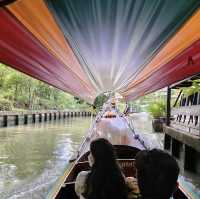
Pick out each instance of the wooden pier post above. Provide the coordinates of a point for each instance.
(50, 116)
(33, 118)
(16, 120)
(45, 117)
(25, 119)
(40, 117)
(5, 121)
(54, 115)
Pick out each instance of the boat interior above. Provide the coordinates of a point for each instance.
(126, 159)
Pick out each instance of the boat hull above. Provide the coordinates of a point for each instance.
(117, 131)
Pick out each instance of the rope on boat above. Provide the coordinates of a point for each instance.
(93, 123)
(136, 136)
(87, 138)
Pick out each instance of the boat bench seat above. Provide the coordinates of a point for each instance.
(127, 166)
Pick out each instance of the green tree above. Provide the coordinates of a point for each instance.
(24, 92)
(100, 100)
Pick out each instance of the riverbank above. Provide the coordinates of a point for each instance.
(10, 118)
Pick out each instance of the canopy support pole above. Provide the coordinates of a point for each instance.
(168, 106)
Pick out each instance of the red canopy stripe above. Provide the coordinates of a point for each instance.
(184, 38)
(182, 66)
(36, 17)
(21, 50)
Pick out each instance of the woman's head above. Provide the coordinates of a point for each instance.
(157, 174)
(105, 176)
(102, 152)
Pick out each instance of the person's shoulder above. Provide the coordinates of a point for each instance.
(83, 174)
(80, 182)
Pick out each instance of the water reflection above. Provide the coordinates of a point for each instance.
(33, 156)
(142, 124)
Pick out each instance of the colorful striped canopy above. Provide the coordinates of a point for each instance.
(87, 47)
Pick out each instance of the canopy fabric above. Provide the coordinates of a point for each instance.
(186, 64)
(22, 51)
(113, 39)
(185, 37)
(43, 26)
(94, 46)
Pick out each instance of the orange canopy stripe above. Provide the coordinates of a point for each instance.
(187, 35)
(36, 17)
(22, 51)
(186, 64)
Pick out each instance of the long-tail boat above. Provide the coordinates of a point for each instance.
(88, 47)
(114, 127)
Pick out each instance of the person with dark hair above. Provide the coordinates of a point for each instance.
(157, 174)
(105, 180)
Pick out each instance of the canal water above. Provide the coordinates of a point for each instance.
(142, 125)
(32, 157)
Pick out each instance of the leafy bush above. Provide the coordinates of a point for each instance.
(5, 105)
(99, 101)
(195, 88)
(157, 109)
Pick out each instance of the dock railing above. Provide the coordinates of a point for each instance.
(187, 119)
